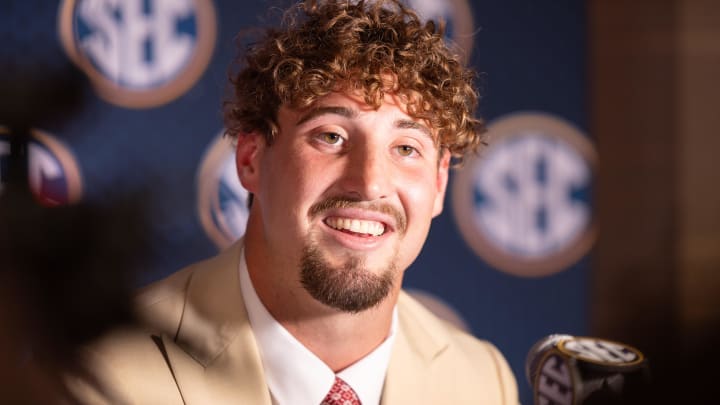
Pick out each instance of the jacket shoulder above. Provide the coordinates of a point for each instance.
(490, 364)
(464, 367)
(129, 364)
(159, 306)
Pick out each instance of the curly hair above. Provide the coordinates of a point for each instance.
(345, 45)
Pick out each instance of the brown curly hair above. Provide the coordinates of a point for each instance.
(345, 45)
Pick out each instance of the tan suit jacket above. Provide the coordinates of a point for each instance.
(199, 349)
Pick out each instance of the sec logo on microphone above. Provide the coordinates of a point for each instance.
(139, 53)
(222, 201)
(524, 205)
(601, 351)
(52, 171)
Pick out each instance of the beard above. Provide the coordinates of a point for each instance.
(349, 287)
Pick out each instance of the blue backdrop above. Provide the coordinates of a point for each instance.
(149, 112)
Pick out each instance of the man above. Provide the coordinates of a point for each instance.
(346, 120)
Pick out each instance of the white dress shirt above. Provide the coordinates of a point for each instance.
(294, 374)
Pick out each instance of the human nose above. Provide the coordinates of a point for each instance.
(366, 174)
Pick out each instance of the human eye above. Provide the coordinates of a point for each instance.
(407, 151)
(331, 138)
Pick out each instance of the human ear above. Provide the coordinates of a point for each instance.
(250, 146)
(441, 181)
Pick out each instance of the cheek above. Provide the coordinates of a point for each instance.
(294, 182)
(281, 171)
(417, 198)
(419, 192)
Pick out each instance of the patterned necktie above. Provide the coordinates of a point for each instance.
(341, 394)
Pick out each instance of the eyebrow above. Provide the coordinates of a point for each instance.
(351, 113)
(408, 124)
(315, 112)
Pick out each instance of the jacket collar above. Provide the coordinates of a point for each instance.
(421, 339)
(214, 357)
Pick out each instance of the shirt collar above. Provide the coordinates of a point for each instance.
(294, 374)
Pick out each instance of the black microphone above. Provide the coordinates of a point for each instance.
(569, 370)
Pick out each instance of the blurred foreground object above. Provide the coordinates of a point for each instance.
(66, 272)
(66, 278)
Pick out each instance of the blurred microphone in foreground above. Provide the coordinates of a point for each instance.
(67, 272)
(66, 278)
(568, 370)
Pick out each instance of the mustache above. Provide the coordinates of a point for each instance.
(346, 202)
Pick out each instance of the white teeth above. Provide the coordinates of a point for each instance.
(357, 225)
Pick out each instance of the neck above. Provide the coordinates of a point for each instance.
(342, 339)
(338, 338)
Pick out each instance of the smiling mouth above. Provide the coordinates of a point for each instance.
(356, 226)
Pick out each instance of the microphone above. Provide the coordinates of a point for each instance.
(569, 370)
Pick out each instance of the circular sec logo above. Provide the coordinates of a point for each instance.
(602, 352)
(53, 173)
(457, 16)
(222, 200)
(524, 204)
(139, 53)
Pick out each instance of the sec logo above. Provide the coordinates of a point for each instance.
(457, 16)
(556, 381)
(222, 200)
(524, 204)
(139, 53)
(53, 173)
(601, 351)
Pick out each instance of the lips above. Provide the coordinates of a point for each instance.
(372, 220)
(357, 226)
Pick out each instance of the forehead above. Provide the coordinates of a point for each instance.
(356, 99)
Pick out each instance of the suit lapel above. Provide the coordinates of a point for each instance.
(214, 356)
(418, 343)
(406, 379)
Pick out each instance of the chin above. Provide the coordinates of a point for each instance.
(349, 285)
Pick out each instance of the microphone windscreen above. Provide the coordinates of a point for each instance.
(569, 370)
(536, 352)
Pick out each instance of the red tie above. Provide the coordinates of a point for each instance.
(341, 394)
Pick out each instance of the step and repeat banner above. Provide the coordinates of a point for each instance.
(507, 259)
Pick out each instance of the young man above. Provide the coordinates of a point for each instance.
(346, 119)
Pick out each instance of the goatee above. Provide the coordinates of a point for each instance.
(348, 287)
